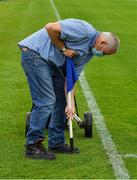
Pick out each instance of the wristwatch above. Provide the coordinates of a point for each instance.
(62, 50)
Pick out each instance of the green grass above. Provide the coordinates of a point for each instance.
(113, 81)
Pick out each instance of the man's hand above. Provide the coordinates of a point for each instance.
(70, 53)
(70, 112)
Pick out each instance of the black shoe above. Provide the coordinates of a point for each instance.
(38, 151)
(64, 148)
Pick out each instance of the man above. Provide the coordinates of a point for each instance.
(43, 61)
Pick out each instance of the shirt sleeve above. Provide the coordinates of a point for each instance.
(73, 30)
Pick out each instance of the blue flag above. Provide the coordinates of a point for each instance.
(71, 74)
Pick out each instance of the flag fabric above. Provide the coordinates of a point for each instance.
(71, 74)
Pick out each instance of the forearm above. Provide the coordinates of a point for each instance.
(72, 94)
(56, 41)
(70, 107)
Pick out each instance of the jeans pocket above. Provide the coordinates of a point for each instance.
(27, 56)
(24, 55)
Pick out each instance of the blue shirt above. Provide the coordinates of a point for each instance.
(77, 35)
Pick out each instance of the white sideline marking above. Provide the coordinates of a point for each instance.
(115, 159)
(130, 155)
(55, 10)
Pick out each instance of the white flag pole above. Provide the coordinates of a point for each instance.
(70, 122)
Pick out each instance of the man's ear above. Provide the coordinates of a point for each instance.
(103, 42)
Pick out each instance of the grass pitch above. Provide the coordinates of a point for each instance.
(113, 81)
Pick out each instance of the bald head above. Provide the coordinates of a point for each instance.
(107, 42)
(112, 40)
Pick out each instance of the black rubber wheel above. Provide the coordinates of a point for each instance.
(28, 115)
(88, 124)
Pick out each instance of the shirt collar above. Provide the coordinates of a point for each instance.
(92, 42)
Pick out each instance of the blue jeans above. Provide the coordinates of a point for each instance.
(46, 85)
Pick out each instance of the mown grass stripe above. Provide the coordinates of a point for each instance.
(115, 159)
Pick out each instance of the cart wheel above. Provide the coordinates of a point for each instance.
(88, 124)
(28, 115)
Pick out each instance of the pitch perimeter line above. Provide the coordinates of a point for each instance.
(115, 159)
(130, 156)
(55, 10)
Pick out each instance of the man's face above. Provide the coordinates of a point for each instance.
(102, 45)
(106, 50)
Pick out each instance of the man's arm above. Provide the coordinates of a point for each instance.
(54, 31)
(70, 112)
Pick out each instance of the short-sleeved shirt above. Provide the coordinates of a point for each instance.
(77, 35)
